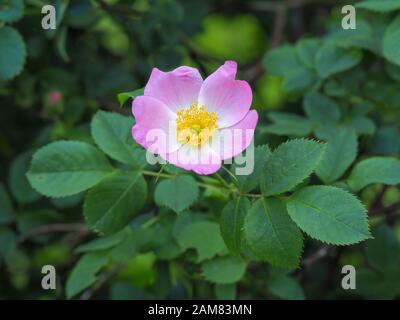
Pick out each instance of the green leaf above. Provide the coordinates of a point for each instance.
(6, 208)
(332, 59)
(204, 237)
(223, 270)
(383, 252)
(18, 182)
(382, 6)
(306, 50)
(102, 243)
(11, 10)
(177, 193)
(321, 109)
(113, 203)
(285, 287)
(290, 164)
(61, 43)
(361, 125)
(184, 219)
(124, 96)
(299, 80)
(174, 170)
(365, 36)
(340, 153)
(329, 214)
(84, 272)
(289, 124)
(112, 133)
(360, 109)
(231, 223)
(225, 291)
(385, 170)
(391, 42)
(12, 53)
(246, 183)
(271, 235)
(281, 61)
(64, 168)
(130, 244)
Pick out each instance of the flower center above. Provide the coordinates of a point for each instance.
(195, 125)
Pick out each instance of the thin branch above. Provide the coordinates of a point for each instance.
(253, 72)
(390, 209)
(197, 57)
(119, 9)
(377, 203)
(309, 262)
(288, 4)
(75, 238)
(279, 26)
(103, 278)
(330, 275)
(50, 228)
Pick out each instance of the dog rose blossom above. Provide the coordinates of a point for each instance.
(195, 124)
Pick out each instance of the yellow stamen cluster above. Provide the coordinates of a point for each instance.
(195, 125)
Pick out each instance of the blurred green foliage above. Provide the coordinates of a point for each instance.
(52, 83)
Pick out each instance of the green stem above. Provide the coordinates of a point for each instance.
(251, 195)
(230, 173)
(224, 187)
(157, 174)
(210, 186)
(222, 180)
(150, 222)
(160, 172)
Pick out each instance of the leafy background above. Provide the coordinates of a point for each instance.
(76, 192)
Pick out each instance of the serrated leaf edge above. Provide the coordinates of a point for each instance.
(338, 243)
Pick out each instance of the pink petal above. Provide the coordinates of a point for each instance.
(155, 127)
(177, 89)
(201, 160)
(229, 98)
(229, 142)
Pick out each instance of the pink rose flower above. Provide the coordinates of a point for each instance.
(195, 124)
